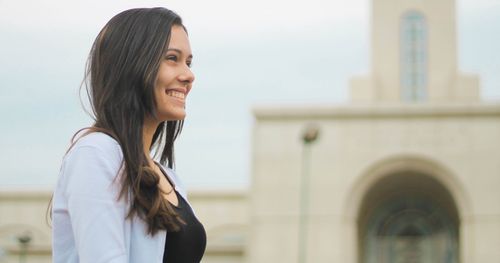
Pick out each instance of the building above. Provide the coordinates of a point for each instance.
(406, 172)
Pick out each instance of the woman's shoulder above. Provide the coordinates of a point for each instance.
(98, 143)
(94, 160)
(97, 139)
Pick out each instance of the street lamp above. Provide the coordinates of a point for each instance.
(24, 241)
(309, 136)
(19, 233)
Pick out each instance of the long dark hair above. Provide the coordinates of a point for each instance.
(120, 78)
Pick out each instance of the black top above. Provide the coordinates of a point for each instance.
(188, 244)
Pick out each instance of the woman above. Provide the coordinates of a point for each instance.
(113, 202)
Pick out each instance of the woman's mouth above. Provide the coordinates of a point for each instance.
(176, 94)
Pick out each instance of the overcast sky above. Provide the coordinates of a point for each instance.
(246, 53)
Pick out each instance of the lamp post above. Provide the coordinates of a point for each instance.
(309, 136)
(24, 241)
(19, 233)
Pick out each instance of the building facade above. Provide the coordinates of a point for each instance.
(406, 172)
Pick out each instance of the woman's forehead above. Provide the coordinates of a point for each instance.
(179, 40)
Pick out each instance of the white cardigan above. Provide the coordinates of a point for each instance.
(88, 221)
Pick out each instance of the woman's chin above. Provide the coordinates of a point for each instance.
(178, 116)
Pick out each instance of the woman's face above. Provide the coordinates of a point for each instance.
(174, 79)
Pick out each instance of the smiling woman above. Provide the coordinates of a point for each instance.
(113, 201)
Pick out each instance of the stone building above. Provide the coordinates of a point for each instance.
(406, 172)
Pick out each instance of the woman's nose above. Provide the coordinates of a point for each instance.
(187, 76)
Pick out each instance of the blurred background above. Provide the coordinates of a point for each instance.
(402, 93)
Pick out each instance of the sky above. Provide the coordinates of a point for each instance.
(246, 53)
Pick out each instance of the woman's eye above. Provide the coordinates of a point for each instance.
(189, 63)
(171, 57)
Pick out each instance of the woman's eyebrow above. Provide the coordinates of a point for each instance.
(179, 51)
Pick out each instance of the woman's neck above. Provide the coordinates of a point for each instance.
(148, 130)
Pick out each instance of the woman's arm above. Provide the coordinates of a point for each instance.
(97, 216)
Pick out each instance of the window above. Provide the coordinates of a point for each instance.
(413, 39)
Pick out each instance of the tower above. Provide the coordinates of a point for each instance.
(414, 55)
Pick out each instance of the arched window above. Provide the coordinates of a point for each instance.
(413, 55)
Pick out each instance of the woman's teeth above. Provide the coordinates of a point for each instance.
(176, 94)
